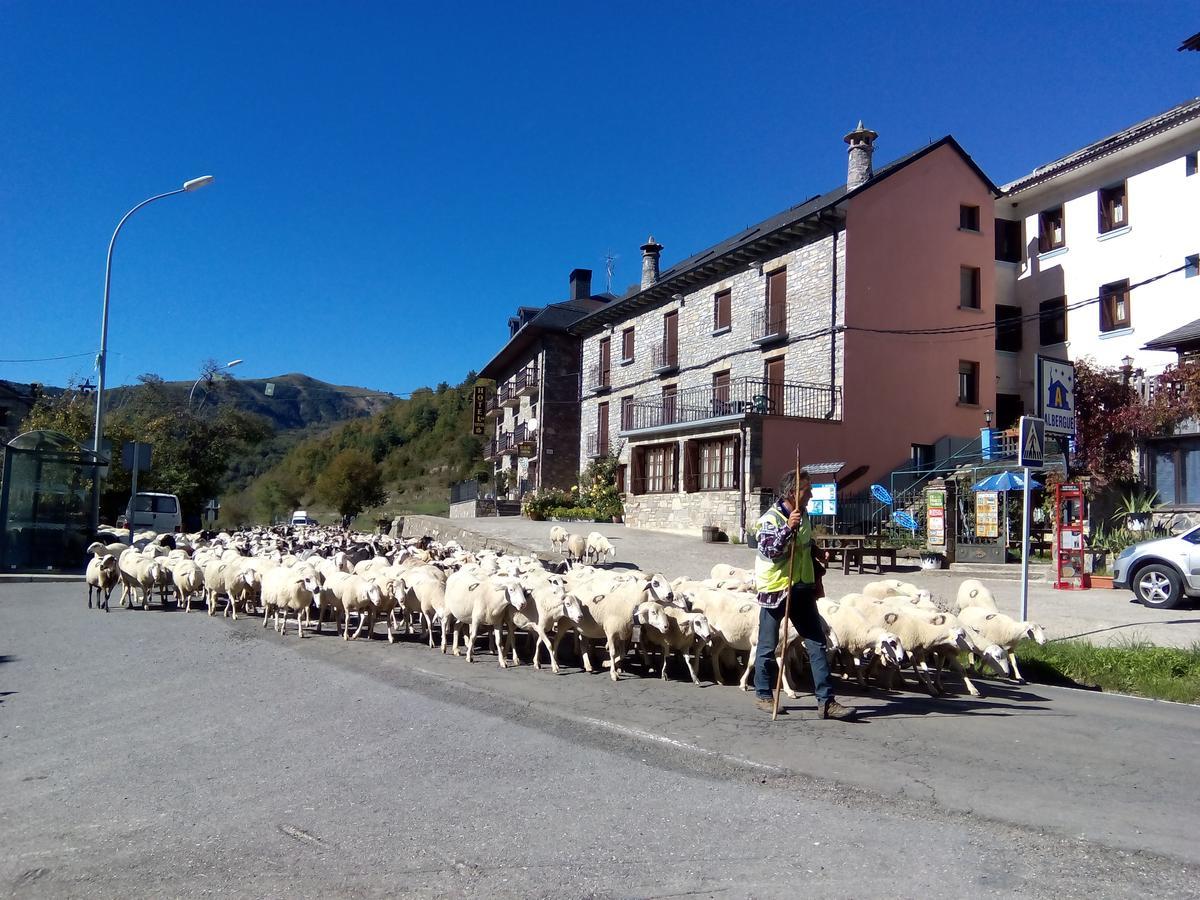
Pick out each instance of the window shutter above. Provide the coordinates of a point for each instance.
(637, 474)
(737, 462)
(673, 450)
(691, 467)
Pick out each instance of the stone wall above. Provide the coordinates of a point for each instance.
(703, 351)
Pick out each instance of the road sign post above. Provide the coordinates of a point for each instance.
(1031, 454)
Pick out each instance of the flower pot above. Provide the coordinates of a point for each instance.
(617, 520)
(1102, 581)
(931, 561)
(708, 534)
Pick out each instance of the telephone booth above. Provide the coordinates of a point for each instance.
(1068, 538)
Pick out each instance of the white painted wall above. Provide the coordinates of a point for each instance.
(1164, 228)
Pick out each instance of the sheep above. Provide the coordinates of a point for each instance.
(974, 593)
(187, 579)
(921, 637)
(734, 621)
(102, 576)
(997, 628)
(142, 573)
(423, 591)
(686, 632)
(546, 605)
(859, 640)
(576, 548)
(558, 538)
(598, 546)
(608, 614)
(356, 594)
(726, 572)
(289, 589)
(475, 598)
(214, 582)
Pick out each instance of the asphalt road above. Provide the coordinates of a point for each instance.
(162, 754)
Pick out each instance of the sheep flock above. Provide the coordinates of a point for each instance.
(308, 577)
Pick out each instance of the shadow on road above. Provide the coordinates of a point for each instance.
(1071, 637)
(5, 658)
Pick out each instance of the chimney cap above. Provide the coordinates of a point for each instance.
(651, 245)
(861, 134)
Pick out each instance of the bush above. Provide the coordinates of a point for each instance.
(583, 513)
(539, 503)
(598, 488)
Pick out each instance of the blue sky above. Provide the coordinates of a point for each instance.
(392, 180)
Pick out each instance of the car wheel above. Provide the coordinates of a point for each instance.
(1158, 586)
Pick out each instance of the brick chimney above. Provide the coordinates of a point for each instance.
(650, 251)
(581, 284)
(861, 141)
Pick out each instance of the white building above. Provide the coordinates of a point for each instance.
(1078, 239)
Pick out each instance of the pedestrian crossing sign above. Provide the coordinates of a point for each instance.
(1031, 449)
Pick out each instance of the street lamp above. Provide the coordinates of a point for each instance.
(1126, 368)
(102, 358)
(228, 365)
(987, 417)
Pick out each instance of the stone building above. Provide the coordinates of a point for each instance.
(535, 405)
(707, 379)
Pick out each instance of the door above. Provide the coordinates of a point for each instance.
(605, 362)
(671, 339)
(602, 429)
(773, 376)
(777, 302)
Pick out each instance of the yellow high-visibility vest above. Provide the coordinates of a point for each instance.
(771, 575)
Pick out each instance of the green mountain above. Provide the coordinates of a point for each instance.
(422, 444)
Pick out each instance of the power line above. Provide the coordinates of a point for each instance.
(49, 358)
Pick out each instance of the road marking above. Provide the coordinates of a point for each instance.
(680, 745)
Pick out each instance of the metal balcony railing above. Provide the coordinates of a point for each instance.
(742, 396)
(768, 325)
(664, 357)
(525, 382)
(597, 445)
(599, 378)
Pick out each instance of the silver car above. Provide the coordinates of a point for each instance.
(1163, 572)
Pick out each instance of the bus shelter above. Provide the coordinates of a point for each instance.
(47, 500)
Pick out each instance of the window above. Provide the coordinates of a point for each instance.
(1114, 306)
(654, 470)
(627, 345)
(717, 464)
(1052, 230)
(968, 287)
(1008, 241)
(668, 404)
(1189, 163)
(722, 310)
(602, 429)
(1191, 266)
(968, 382)
(720, 393)
(1052, 321)
(604, 371)
(968, 218)
(923, 456)
(626, 413)
(1114, 210)
(1008, 328)
(1175, 473)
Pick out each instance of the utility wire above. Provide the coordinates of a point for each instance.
(49, 358)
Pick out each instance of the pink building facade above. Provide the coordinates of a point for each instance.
(798, 333)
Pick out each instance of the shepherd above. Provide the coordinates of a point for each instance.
(785, 574)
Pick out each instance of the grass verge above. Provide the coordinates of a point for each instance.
(1133, 667)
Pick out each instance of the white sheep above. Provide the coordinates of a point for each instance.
(286, 590)
(187, 580)
(974, 593)
(473, 597)
(609, 607)
(576, 548)
(686, 633)
(860, 641)
(1007, 632)
(102, 576)
(546, 606)
(558, 538)
(598, 546)
(734, 620)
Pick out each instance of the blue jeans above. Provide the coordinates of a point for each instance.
(807, 622)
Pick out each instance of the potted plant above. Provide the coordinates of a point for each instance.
(752, 536)
(932, 559)
(1136, 509)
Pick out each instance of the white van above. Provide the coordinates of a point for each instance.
(155, 512)
(301, 517)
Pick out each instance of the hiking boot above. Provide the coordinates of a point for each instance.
(766, 704)
(831, 709)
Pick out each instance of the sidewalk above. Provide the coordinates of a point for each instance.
(1100, 616)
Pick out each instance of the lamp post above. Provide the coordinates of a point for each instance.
(102, 358)
(209, 375)
(1126, 368)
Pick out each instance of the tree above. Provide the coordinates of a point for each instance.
(1108, 422)
(351, 483)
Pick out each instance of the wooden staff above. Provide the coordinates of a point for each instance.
(787, 600)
